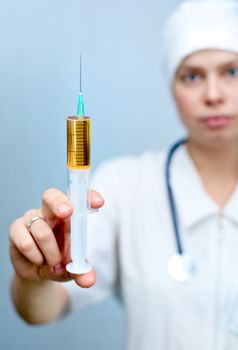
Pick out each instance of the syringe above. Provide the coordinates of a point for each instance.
(78, 164)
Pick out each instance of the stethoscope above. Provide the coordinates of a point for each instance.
(180, 266)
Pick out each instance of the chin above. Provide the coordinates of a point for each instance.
(218, 138)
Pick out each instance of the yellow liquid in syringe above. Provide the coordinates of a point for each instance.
(78, 142)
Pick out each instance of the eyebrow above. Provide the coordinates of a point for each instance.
(199, 68)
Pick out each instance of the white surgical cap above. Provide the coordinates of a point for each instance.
(197, 25)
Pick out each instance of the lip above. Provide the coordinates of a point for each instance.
(217, 121)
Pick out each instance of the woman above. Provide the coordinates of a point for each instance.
(139, 240)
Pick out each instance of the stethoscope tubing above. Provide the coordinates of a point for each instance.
(171, 200)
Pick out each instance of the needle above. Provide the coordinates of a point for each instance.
(80, 110)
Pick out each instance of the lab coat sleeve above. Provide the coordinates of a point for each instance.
(102, 243)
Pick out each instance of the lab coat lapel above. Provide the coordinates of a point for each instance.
(192, 201)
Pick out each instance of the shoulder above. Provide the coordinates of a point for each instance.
(123, 178)
(130, 167)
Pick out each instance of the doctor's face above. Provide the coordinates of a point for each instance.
(205, 89)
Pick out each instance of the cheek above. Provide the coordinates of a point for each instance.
(186, 105)
(233, 98)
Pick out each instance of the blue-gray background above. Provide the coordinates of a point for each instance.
(126, 95)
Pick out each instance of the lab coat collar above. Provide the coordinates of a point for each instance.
(192, 201)
(231, 209)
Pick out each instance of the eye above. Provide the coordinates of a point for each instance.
(233, 71)
(190, 77)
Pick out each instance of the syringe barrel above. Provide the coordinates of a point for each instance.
(78, 142)
(78, 164)
(78, 190)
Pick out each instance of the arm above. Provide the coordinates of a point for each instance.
(38, 301)
(39, 257)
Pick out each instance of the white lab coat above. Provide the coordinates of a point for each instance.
(131, 240)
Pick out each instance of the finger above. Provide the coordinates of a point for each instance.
(86, 280)
(45, 272)
(96, 201)
(45, 240)
(55, 204)
(21, 238)
(22, 266)
(30, 271)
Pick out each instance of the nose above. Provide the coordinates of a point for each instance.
(213, 92)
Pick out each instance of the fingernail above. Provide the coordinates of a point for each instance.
(58, 269)
(63, 208)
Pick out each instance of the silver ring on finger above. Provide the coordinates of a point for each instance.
(32, 220)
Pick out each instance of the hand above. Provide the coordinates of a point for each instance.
(43, 251)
